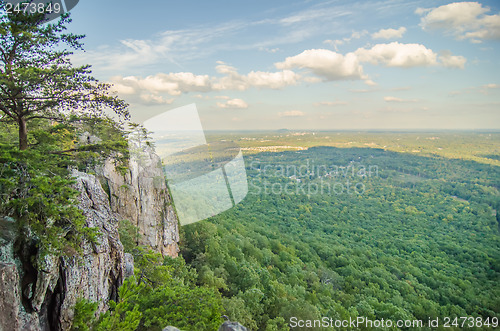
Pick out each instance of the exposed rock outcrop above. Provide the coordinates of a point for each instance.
(43, 299)
(171, 328)
(141, 196)
(98, 275)
(232, 326)
(58, 284)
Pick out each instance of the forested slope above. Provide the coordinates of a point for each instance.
(418, 240)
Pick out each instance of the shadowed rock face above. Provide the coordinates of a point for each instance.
(56, 287)
(141, 196)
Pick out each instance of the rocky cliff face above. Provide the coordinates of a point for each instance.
(141, 196)
(46, 299)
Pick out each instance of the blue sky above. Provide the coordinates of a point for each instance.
(300, 64)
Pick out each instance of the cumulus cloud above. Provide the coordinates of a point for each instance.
(325, 63)
(291, 113)
(155, 99)
(465, 20)
(399, 100)
(233, 104)
(452, 61)
(172, 83)
(389, 33)
(272, 80)
(398, 55)
(259, 79)
(122, 88)
(175, 84)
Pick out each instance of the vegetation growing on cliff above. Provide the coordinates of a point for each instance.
(52, 117)
(163, 292)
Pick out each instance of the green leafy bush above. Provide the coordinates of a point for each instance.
(163, 292)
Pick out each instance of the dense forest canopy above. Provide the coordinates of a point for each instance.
(420, 241)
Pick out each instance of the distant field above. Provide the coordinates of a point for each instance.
(483, 147)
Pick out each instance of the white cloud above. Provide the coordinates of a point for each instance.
(483, 89)
(395, 99)
(452, 61)
(123, 89)
(272, 80)
(354, 35)
(329, 103)
(333, 42)
(155, 99)
(313, 16)
(178, 83)
(269, 50)
(465, 20)
(291, 113)
(168, 46)
(172, 83)
(491, 86)
(233, 104)
(325, 63)
(389, 33)
(259, 79)
(398, 55)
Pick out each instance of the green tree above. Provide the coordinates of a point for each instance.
(46, 105)
(37, 79)
(162, 292)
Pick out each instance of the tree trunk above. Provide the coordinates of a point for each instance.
(23, 134)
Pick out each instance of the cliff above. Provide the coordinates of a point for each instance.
(141, 196)
(44, 299)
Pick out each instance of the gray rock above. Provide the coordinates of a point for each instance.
(141, 196)
(9, 297)
(171, 328)
(60, 283)
(129, 265)
(99, 273)
(232, 326)
(87, 139)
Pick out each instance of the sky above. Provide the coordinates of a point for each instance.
(316, 65)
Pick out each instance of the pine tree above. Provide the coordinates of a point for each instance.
(38, 80)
